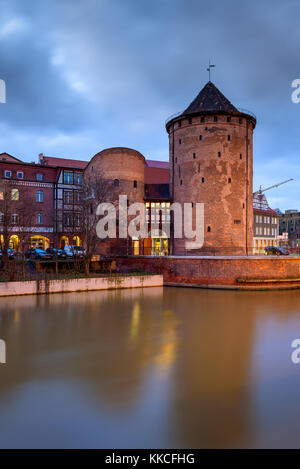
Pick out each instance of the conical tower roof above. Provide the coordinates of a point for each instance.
(210, 99)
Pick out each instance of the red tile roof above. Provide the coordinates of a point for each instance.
(63, 162)
(156, 172)
(157, 164)
(268, 211)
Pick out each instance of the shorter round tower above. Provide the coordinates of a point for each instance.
(121, 170)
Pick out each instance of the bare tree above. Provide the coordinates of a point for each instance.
(16, 219)
(94, 191)
(8, 215)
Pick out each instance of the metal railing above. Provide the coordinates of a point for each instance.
(241, 110)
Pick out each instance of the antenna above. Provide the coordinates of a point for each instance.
(210, 66)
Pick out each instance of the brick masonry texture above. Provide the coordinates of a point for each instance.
(218, 271)
(212, 163)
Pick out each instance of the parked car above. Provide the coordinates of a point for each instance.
(59, 253)
(276, 251)
(38, 254)
(12, 254)
(75, 251)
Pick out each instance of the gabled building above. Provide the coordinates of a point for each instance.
(265, 224)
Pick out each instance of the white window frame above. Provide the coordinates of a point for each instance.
(38, 194)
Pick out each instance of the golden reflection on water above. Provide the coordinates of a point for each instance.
(203, 357)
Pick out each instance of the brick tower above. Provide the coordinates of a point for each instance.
(211, 161)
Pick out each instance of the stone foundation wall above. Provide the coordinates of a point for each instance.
(238, 272)
(81, 284)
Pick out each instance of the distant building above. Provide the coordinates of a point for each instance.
(289, 222)
(265, 224)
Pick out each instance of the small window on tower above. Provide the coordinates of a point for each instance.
(181, 182)
(215, 118)
(200, 137)
(229, 180)
(179, 124)
(135, 184)
(241, 156)
(203, 179)
(194, 155)
(240, 121)
(219, 154)
(190, 120)
(176, 159)
(202, 119)
(208, 229)
(228, 137)
(180, 141)
(198, 167)
(228, 119)
(116, 183)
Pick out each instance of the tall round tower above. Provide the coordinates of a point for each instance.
(211, 162)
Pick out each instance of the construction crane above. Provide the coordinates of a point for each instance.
(260, 190)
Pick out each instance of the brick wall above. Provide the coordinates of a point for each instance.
(217, 270)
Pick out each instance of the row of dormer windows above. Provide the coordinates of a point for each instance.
(8, 174)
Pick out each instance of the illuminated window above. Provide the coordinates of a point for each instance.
(14, 194)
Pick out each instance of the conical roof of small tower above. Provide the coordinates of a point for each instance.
(210, 98)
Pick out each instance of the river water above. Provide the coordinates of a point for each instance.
(150, 368)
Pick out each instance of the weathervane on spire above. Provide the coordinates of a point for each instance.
(210, 66)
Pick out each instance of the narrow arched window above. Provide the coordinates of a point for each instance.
(116, 182)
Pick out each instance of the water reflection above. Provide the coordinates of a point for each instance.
(150, 367)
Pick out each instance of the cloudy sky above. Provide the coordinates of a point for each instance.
(84, 75)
